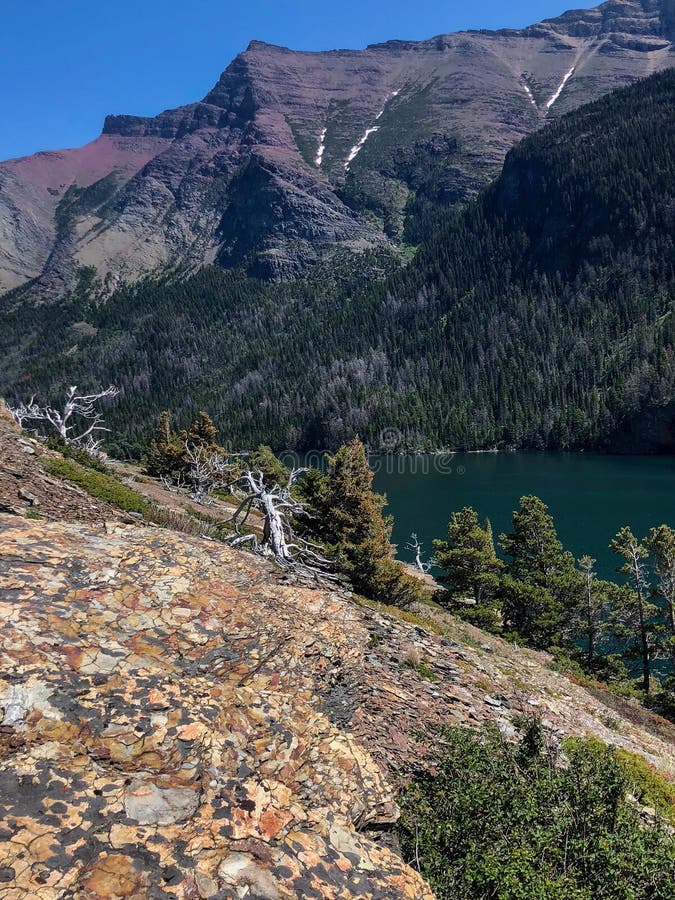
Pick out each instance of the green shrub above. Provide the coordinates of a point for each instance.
(498, 820)
(98, 485)
(647, 785)
(78, 454)
(424, 670)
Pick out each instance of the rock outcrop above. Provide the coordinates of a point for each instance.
(292, 154)
(162, 731)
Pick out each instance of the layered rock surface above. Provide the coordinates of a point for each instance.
(294, 153)
(162, 732)
(179, 719)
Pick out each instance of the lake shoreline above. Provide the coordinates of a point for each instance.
(590, 495)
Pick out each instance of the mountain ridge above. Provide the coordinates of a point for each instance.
(259, 174)
(539, 317)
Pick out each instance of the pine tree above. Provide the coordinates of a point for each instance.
(661, 544)
(274, 471)
(203, 433)
(590, 621)
(533, 546)
(347, 519)
(164, 457)
(541, 586)
(358, 533)
(472, 568)
(635, 616)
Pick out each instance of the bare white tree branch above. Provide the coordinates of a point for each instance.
(279, 540)
(77, 422)
(208, 471)
(422, 565)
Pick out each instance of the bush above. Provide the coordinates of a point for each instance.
(78, 454)
(99, 485)
(504, 821)
(647, 785)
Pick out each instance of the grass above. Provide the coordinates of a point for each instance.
(621, 697)
(103, 486)
(404, 615)
(424, 671)
(420, 664)
(77, 454)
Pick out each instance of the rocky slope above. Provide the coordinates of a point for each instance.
(178, 719)
(293, 153)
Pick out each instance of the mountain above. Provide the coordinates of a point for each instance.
(541, 316)
(179, 719)
(294, 154)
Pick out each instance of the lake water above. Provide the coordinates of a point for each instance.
(590, 496)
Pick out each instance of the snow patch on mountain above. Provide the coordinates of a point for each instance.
(356, 149)
(557, 94)
(530, 95)
(322, 148)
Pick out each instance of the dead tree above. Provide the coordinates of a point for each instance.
(207, 472)
(79, 422)
(417, 548)
(279, 539)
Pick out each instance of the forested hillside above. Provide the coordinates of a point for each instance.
(540, 316)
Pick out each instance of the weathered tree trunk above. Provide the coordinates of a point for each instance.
(644, 636)
(279, 539)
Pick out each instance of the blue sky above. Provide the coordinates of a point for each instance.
(65, 64)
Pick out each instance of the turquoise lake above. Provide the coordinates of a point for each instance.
(590, 496)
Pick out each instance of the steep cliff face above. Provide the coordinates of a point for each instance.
(178, 719)
(294, 153)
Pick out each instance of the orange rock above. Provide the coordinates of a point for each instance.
(343, 864)
(190, 732)
(156, 697)
(114, 876)
(272, 821)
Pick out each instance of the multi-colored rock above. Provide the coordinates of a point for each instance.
(162, 732)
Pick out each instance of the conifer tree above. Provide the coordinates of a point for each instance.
(203, 433)
(472, 568)
(590, 621)
(164, 457)
(274, 471)
(358, 533)
(635, 616)
(541, 586)
(347, 519)
(661, 544)
(168, 451)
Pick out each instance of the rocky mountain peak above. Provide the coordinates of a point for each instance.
(294, 154)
